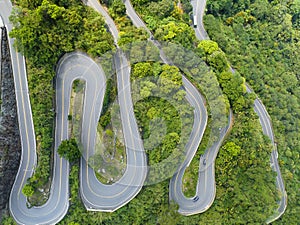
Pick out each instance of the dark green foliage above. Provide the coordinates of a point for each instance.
(48, 27)
(117, 9)
(245, 181)
(261, 48)
(187, 7)
(69, 150)
(95, 38)
(161, 9)
(46, 32)
(41, 93)
(158, 109)
(261, 40)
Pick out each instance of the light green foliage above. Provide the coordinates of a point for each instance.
(232, 149)
(214, 56)
(259, 40)
(177, 32)
(233, 85)
(28, 190)
(147, 88)
(141, 70)
(73, 223)
(109, 132)
(8, 221)
(208, 46)
(170, 79)
(163, 114)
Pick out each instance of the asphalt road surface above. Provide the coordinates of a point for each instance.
(109, 21)
(198, 11)
(95, 195)
(71, 66)
(265, 122)
(101, 197)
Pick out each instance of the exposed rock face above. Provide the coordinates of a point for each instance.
(10, 146)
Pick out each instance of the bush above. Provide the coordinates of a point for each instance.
(69, 150)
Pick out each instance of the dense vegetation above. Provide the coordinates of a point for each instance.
(261, 39)
(246, 191)
(164, 116)
(168, 20)
(246, 125)
(245, 181)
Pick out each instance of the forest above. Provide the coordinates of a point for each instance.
(260, 39)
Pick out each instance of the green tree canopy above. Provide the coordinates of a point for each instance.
(69, 150)
(28, 190)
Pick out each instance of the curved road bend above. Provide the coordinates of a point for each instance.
(192, 94)
(259, 108)
(193, 97)
(265, 122)
(206, 186)
(100, 197)
(206, 182)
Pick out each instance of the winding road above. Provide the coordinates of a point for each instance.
(259, 108)
(265, 122)
(198, 11)
(95, 195)
(206, 188)
(187, 207)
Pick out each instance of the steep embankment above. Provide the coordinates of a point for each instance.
(9, 133)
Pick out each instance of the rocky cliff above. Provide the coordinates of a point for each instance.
(10, 146)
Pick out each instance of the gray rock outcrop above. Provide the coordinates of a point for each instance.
(10, 146)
